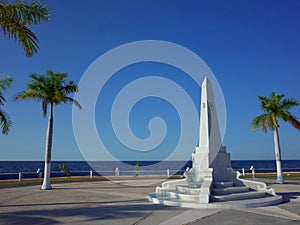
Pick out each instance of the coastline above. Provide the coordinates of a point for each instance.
(270, 177)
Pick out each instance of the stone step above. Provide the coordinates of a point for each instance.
(247, 203)
(195, 184)
(187, 190)
(268, 200)
(224, 184)
(180, 196)
(230, 190)
(238, 196)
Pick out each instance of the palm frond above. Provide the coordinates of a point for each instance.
(50, 88)
(28, 40)
(44, 107)
(69, 99)
(264, 124)
(294, 121)
(289, 103)
(5, 82)
(16, 29)
(71, 87)
(29, 94)
(5, 122)
(2, 99)
(271, 121)
(283, 114)
(14, 19)
(33, 13)
(275, 107)
(276, 97)
(259, 121)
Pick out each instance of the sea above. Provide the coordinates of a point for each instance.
(32, 169)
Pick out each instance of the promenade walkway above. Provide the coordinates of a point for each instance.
(125, 202)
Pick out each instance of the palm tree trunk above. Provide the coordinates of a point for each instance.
(279, 179)
(46, 182)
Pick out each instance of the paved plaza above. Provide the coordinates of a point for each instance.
(125, 202)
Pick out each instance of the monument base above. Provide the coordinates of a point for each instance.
(238, 193)
(211, 182)
(216, 187)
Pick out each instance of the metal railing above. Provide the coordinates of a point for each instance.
(117, 172)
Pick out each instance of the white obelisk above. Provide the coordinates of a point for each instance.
(210, 154)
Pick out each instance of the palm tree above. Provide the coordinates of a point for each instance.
(276, 107)
(51, 89)
(5, 122)
(15, 19)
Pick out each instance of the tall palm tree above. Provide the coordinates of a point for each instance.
(276, 107)
(5, 122)
(51, 89)
(15, 19)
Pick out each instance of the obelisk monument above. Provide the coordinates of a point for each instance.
(210, 158)
(211, 182)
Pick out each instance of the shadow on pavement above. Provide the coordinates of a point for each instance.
(287, 196)
(60, 212)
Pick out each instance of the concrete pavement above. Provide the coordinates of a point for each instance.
(125, 202)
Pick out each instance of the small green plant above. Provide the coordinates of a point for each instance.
(137, 166)
(65, 168)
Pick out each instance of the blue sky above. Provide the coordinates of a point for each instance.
(251, 46)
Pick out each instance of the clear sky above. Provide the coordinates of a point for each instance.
(252, 47)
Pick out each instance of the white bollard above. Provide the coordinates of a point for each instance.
(243, 171)
(117, 172)
(20, 176)
(168, 173)
(91, 174)
(253, 171)
(39, 173)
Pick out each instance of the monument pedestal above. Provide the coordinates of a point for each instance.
(211, 182)
(219, 161)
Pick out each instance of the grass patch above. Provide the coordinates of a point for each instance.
(273, 176)
(55, 180)
(176, 177)
(38, 181)
(4, 184)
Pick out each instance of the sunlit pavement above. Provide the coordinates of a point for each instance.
(125, 202)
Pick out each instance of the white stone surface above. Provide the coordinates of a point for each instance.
(211, 182)
(189, 215)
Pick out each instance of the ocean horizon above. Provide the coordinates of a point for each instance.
(76, 166)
